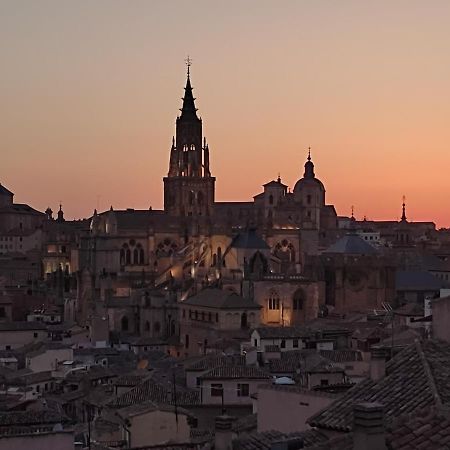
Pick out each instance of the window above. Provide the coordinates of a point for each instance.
(324, 382)
(7, 347)
(184, 313)
(255, 342)
(35, 335)
(186, 341)
(217, 317)
(283, 343)
(274, 301)
(2, 312)
(216, 389)
(297, 300)
(270, 199)
(38, 388)
(295, 343)
(243, 390)
(308, 199)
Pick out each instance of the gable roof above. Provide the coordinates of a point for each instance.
(221, 299)
(416, 378)
(155, 392)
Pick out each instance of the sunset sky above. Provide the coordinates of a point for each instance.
(90, 90)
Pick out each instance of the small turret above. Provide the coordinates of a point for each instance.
(60, 214)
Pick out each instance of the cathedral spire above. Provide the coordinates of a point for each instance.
(403, 210)
(188, 99)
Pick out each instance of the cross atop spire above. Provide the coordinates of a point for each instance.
(188, 62)
(309, 153)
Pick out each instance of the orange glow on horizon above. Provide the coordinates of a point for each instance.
(90, 93)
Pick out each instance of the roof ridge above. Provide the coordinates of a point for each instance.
(429, 374)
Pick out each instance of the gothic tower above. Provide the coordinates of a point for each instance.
(189, 186)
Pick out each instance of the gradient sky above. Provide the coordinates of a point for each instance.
(89, 93)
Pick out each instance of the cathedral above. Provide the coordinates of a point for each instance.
(266, 249)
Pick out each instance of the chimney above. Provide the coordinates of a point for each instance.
(377, 364)
(224, 432)
(368, 427)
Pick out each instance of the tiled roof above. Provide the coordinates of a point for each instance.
(22, 326)
(31, 417)
(211, 362)
(130, 379)
(233, 372)
(416, 378)
(430, 431)
(149, 390)
(283, 332)
(220, 298)
(344, 355)
(304, 360)
(264, 440)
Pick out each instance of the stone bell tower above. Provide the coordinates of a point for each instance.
(189, 186)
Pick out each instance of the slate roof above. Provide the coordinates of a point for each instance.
(416, 280)
(155, 392)
(4, 191)
(416, 378)
(220, 298)
(249, 239)
(234, 372)
(351, 244)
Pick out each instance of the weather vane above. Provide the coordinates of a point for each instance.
(188, 62)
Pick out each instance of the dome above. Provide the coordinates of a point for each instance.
(308, 182)
(309, 179)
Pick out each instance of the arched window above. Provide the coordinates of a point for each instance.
(122, 256)
(270, 199)
(135, 256)
(127, 256)
(308, 199)
(191, 197)
(147, 326)
(124, 323)
(141, 256)
(273, 302)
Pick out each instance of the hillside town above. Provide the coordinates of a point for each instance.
(272, 324)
